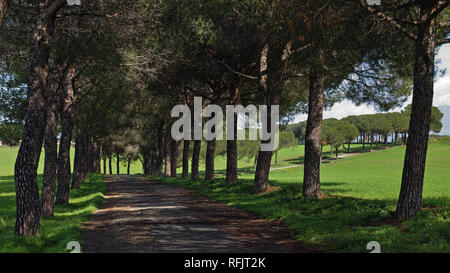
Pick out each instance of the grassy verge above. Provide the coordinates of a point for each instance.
(55, 233)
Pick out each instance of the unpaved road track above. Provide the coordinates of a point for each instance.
(142, 215)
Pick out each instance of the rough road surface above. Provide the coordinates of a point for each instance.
(142, 215)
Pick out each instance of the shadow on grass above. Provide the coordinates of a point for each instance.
(436, 202)
(7, 178)
(56, 232)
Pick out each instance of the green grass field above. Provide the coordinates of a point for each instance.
(362, 192)
(377, 175)
(55, 233)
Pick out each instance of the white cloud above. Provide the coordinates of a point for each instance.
(341, 110)
(442, 84)
(441, 94)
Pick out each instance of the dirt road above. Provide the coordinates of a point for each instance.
(142, 215)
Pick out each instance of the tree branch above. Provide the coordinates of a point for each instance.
(61, 15)
(441, 6)
(443, 41)
(3, 8)
(54, 7)
(20, 55)
(443, 24)
(236, 72)
(287, 52)
(389, 20)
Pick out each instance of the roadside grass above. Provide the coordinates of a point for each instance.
(361, 197)
(55, 233)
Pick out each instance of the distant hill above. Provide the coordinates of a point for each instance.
(445, 120)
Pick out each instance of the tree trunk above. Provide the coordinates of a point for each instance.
(265, 157)
(195, 159)
(209, 162)
(348, 147)
(263, 160)
(110, 163)
(66, 114)
(147, 164)
(25, 170)
(186, 145)
(311, 177)
(337, 153)
(4, 4)
(80, 167)
(256, 161)
(364, 141)
(272, 97)
(167, 158)
(160, 154)
(90, 154)
(51, 154)
(173, 158)
(231, 172)
(410, 199)
(276, 158)
(151, 163)
(321, 150)
(231, 175)
(128, 166)
(94, 157)
(98, 158)
(262, 173)
(104, 164)
(371, 143)
(51, 146)
(118, 163)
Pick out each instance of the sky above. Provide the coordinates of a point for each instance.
(441, 94)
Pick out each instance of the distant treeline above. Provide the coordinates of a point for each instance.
(367, 129)
(440, 139)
